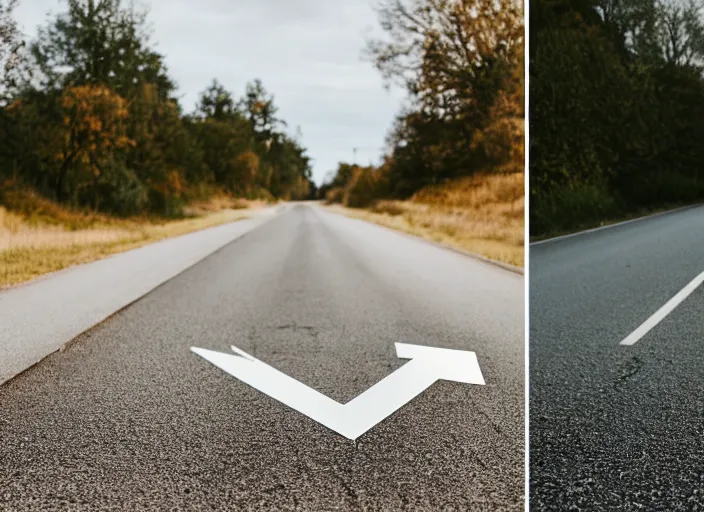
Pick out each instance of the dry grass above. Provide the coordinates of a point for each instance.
(221, 202)
(42, 237)
(482, 214)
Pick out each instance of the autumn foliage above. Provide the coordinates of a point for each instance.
(89, 118)
(94, 126)
(462, 64)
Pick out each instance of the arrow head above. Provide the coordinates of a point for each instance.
(454, 365)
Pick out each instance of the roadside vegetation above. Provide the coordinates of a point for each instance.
(454, 170)
(97, 155)
(90, 119)
(38, 236)
(617, 110)
(482, 214)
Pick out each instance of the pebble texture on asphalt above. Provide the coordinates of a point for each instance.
(615, 427)
(129, 419)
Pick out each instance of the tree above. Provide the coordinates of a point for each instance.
(31, 135)
(261, 111)
(451, 55)
(93, 130)
(290, 168)
(226, 138)
(166, 155)
(597, 68)
(462, 63)
(94, 121)
(10, 46)
(681, 32)
(100, 42)
(216, 103)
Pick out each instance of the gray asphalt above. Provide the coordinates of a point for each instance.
(615, 427)
(127, 418)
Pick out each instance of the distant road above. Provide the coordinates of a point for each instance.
(616, 426)
(128, 418)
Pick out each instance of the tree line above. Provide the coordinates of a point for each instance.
(461, 63)
(89, 117)
(617, 108)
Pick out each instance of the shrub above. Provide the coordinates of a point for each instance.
(361, 191)
(563, 208)
(335, 195)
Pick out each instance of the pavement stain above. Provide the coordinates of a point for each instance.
(294, 327)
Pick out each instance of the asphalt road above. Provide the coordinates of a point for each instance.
(617, 427)
(128, 418)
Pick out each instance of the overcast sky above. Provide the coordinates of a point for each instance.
(307, 53)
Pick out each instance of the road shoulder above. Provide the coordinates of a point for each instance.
(39, 318)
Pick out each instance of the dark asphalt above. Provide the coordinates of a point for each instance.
(615, 427)
(127, 418)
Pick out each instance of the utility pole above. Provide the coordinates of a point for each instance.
(354, 159)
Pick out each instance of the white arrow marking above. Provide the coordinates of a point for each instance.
(353, 419)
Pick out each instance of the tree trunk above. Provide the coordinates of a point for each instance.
(59, 185)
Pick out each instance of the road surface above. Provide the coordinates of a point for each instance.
(617, 427)
(128, 418)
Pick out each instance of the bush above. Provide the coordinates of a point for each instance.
(392, 208)
(259, 194)
(563, 208)
(361, 191)
(120, 190)
(335, 195)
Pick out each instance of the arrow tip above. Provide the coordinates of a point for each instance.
(457, 365)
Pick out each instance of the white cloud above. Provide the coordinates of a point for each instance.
(308, 53)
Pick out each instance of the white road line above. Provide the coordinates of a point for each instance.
(658, 317)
